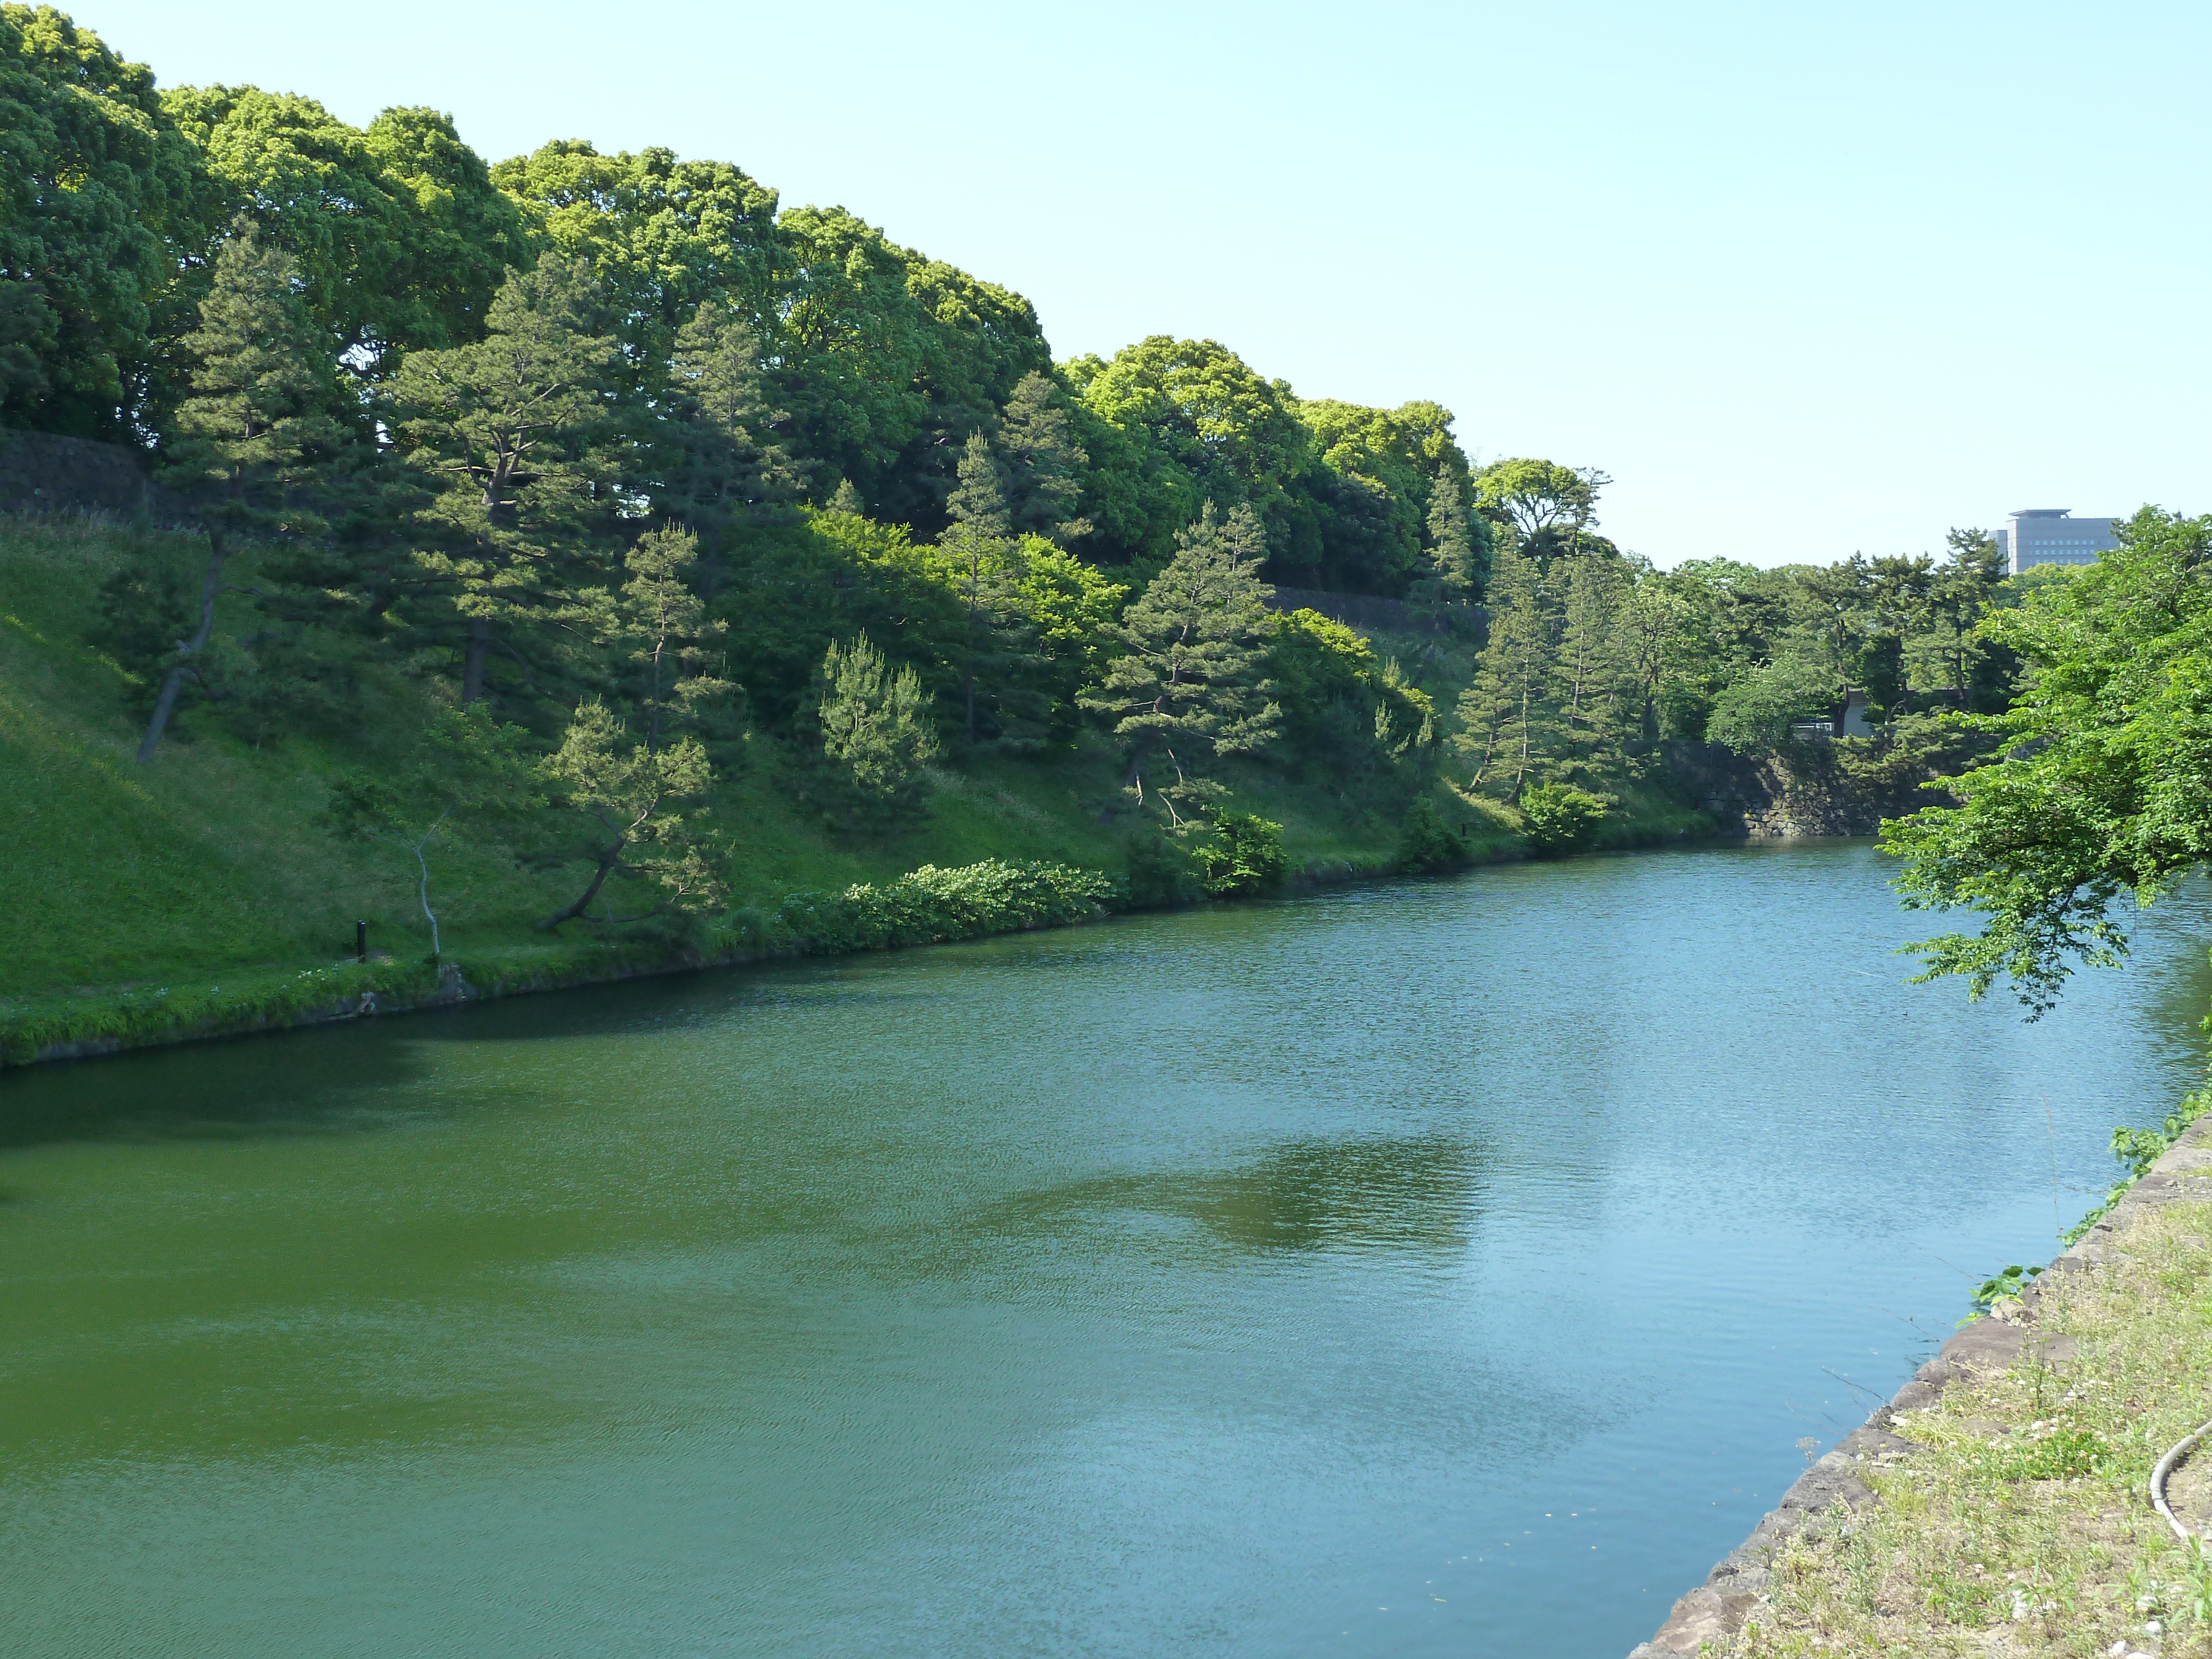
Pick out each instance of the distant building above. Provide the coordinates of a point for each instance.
(2051, 535)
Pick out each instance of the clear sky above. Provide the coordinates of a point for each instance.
(1804, 279)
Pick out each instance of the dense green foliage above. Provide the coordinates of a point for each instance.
(2101, 784)
(929, 906)
(592, 542)
(1560, 818)
(802, 336)
(242, 856)
(100, 197)
(1244, 854)
(1596, 664)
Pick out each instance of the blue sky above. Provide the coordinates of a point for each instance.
(1805, 280)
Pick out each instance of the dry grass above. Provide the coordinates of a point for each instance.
(2022, 1525)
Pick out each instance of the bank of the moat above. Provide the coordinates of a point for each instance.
(2000, 1502)
(1765, 801)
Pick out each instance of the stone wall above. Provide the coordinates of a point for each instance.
(1804, 793)
(1719, 1607)
(41, 472)
(1371, 614)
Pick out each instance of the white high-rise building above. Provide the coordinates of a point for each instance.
(2052, 534)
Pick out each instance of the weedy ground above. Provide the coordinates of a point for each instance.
(2023, 1524)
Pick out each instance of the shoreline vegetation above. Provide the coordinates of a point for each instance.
(928, 906)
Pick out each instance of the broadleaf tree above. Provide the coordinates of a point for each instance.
(2101, 788)
(101, 204)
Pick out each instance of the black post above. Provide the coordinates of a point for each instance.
(360, 941)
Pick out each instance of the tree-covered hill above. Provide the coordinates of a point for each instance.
(589, 551)
(875, 362)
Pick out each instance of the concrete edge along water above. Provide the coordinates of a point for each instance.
(1719, 1606)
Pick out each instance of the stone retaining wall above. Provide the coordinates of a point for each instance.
(1772, 798)
(41, 473)
(1368, 612)
(1718, 1608)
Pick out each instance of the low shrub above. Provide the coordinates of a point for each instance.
(1162, 873)
(930, 905)
(1558, 819)
(1429, 842)
(2047, 1451)
(1245, 855)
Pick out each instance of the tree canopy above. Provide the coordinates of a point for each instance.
(869, 365)
(399, 236)
(100, 201)
(2101, 788)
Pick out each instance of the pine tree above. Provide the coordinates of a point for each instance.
(1506, 719)
(670, 640)
(259, 423)
(978, 502)
(1045, 462)
(1000, 655)
(511, 434)
(1964, 585)
(641, 812)
(725, 468)
(1589, 673)
(876, 726)
(1452, 550)
(1187, 689)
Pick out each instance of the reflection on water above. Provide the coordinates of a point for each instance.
(1411, 1195)
(241, 1088)
(1447, 1267)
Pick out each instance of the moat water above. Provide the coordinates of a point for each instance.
(1444, 1267)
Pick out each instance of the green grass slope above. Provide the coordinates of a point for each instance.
(216, 863)
(208, 889)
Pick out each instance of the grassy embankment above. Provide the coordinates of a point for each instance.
(208, 885)
(2020, 1523)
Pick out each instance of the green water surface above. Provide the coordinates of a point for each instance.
(1444, 1267)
